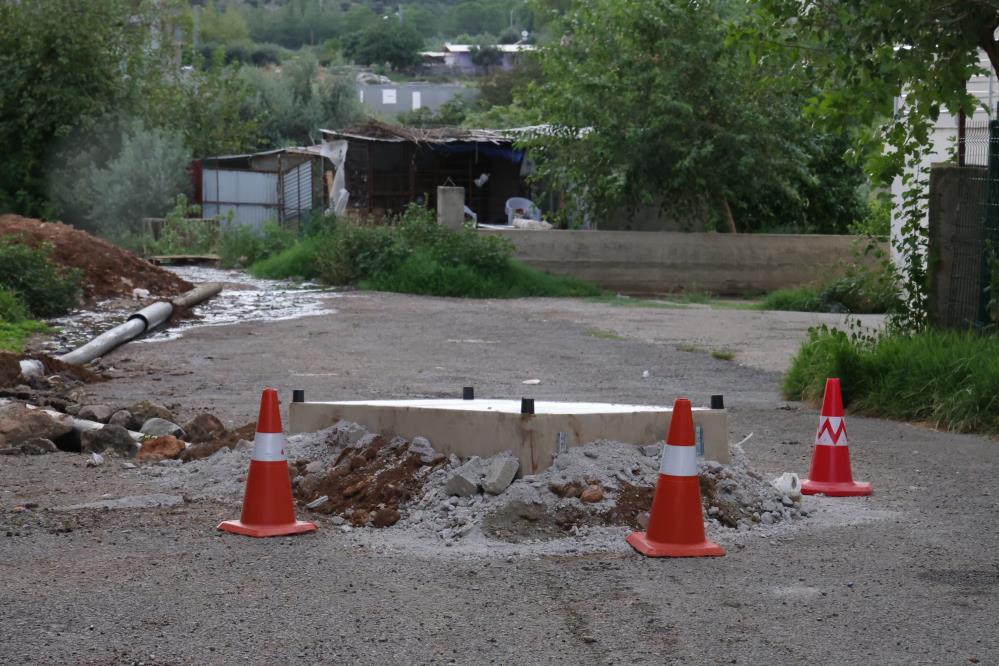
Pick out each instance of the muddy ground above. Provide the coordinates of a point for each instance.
(908, 576)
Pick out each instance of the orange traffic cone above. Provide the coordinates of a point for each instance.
(676, 522)
(268, 509)
(830, 473)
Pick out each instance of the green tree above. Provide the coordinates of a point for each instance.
(385, 41)
(863, 56)
(63, 63)
(296, 102)
(652, 107)
(486, 56)
(222, 26)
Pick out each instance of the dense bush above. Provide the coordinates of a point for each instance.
(414, 254)
(146, 171)
(240, 245)
(860, 291)
(185, 232)
(296, 261)
(12, 307)
(46, 290)
(950, 379)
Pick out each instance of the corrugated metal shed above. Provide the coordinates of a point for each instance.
(276, 185)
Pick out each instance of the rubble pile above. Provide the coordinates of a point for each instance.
(359, 479)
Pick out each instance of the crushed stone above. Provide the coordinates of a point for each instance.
(589, 499)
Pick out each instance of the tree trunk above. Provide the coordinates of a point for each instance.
(987, 42)
(727, 214)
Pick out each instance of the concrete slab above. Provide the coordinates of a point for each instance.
(487, 427)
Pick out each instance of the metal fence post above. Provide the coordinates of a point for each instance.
(990, 231)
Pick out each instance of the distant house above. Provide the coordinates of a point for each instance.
(383, 168)
(459, 56)
(390, 99)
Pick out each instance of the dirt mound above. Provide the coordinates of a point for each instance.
(107, 270)
(10, 368)
(367, 482)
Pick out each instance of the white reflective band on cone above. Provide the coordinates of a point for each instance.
(268, 446)
(679, 461)
(832, 431)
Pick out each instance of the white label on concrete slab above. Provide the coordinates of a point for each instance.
(417, 99)
(388, 96)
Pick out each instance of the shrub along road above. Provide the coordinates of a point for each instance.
(907, 576)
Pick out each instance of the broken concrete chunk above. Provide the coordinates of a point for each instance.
(158, 427)
(423, 448)
(465, 480)
(99, 413)
(110, 437)
(95, 460)
(652, 450)
(500, 472)
(346, 433)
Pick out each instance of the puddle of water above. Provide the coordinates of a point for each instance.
(244, 298)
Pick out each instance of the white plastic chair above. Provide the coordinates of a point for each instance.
(521, 207)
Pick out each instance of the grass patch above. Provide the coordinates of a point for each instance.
(796, 299)
(620, 301)
(949, 379)
(736, 304)
(604, 335)
(296, 261)
(421, 273)
(14, 335)
(691, 298)
(860, 291)
(723, 354)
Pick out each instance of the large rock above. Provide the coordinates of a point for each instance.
(10, 369)
(19, 424)
(158, 427)
(500, 471)
(145, 410)
(161, 448)
(465, 480)
(110, 437)
(121, 418)
(99, 413)
(203, 428)
(37, 446)
(31, 447)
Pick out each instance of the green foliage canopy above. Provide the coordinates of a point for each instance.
(653, 107)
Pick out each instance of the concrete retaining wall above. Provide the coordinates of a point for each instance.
(660, 262)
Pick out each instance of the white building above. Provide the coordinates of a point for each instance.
(945, 134)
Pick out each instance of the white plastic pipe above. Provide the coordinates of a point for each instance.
(146, 319)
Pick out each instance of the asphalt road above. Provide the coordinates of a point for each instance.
(908, 576)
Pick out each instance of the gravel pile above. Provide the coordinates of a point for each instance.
(590, 496)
